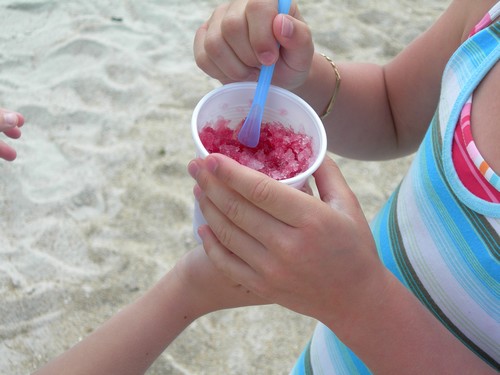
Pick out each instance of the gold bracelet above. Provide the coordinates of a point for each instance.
(338, 79)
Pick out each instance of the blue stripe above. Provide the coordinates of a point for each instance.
(299, 368)
(472, 54)
(382, 240)
(360, 366)
(487, 40)
(465, 247)
(455, 214)
(495, 181)
(349, 361)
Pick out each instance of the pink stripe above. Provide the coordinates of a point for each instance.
(465, 117)
(481, 25)
(474, 171)
(467, 106)
(467, 135)
(464, 120)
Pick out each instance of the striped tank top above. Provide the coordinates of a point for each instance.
(437, 237)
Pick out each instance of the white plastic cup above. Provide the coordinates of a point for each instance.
(232, 102)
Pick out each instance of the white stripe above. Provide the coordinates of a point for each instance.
(495, 223)
(326, 358)
(489, 174)
(449, 94)
(436, 276)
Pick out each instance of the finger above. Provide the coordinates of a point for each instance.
(227, 231)
(20, 120)
(237, 223)
(218, 52)
(7, 152)
(296, 43)
(201, 58)
(234, 29)
(260, 15)
(10, 120)
(307, 188)
(333, 188)
(13, 133)
(284, 203)
(226, 261)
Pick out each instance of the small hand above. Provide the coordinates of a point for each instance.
(10, 123)
(242, 35)
(209, 287)
(312, 256)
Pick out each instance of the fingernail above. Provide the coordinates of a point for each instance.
(211, 163)
(10, 119)
(202, 231)
(286, 27)
(266, 58)
(197, 192)
(193, 169)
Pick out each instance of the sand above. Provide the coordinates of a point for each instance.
(98, 204)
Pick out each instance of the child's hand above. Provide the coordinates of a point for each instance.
(10, 122)
(242, 35)
(316, 257)
(209, 287)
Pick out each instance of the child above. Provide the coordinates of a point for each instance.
(417, 292)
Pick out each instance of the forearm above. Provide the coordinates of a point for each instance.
(384, 111)
(360, 125)
(393, 333)
(132, 339)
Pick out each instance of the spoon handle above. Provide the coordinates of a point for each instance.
(265, 77)
(249, 133)
(284, 6)
(266, 71)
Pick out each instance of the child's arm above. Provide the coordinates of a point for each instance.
(130, 341)
(384, 111)
(318, 258)
(10, 122)
(381, 112)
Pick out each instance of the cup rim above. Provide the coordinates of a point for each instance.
(321, 152)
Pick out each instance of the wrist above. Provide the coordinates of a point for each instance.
(181, 296)
(321, 86)
(199, 287)
(389, 329)
(335, 90)
(368, 302)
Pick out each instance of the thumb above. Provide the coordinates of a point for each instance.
(295, 39)
(333, 188)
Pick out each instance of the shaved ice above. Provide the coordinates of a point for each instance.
(281, 153)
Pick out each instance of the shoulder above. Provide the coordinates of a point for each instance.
(468, 13)
(486, 108)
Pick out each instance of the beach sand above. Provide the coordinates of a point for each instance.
(98, 204)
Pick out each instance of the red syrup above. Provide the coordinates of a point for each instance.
(280, 154)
